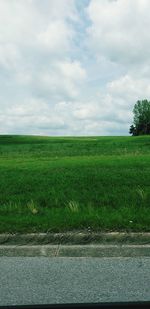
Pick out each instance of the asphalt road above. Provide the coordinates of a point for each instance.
(47, 280)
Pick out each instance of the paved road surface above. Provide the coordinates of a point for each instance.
(43, 280)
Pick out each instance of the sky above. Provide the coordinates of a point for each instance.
(72, 67)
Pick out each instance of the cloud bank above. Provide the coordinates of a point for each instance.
(70, 67)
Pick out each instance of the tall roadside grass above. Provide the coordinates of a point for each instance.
(72, 217)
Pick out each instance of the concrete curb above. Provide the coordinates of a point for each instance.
(75, 244)
(100, 251)
(75, 238)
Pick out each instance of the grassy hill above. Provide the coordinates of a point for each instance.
(64, 183)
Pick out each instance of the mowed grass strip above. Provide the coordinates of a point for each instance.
(59, 184)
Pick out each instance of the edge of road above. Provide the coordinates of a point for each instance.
(75, 238)
(76, 244)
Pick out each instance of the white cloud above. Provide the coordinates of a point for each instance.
(62, 79)
(55, 38)
(72, 70)
(9, 56)
(27, 31)
(129, 88)
(119, 30)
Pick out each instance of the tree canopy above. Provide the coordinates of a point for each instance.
(141, 120)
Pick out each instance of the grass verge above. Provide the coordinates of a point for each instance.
(64, 183)
(32, 219)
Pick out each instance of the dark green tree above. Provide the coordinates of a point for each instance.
(141, 120)
(132, 130)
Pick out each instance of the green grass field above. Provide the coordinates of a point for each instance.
(53, 184)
